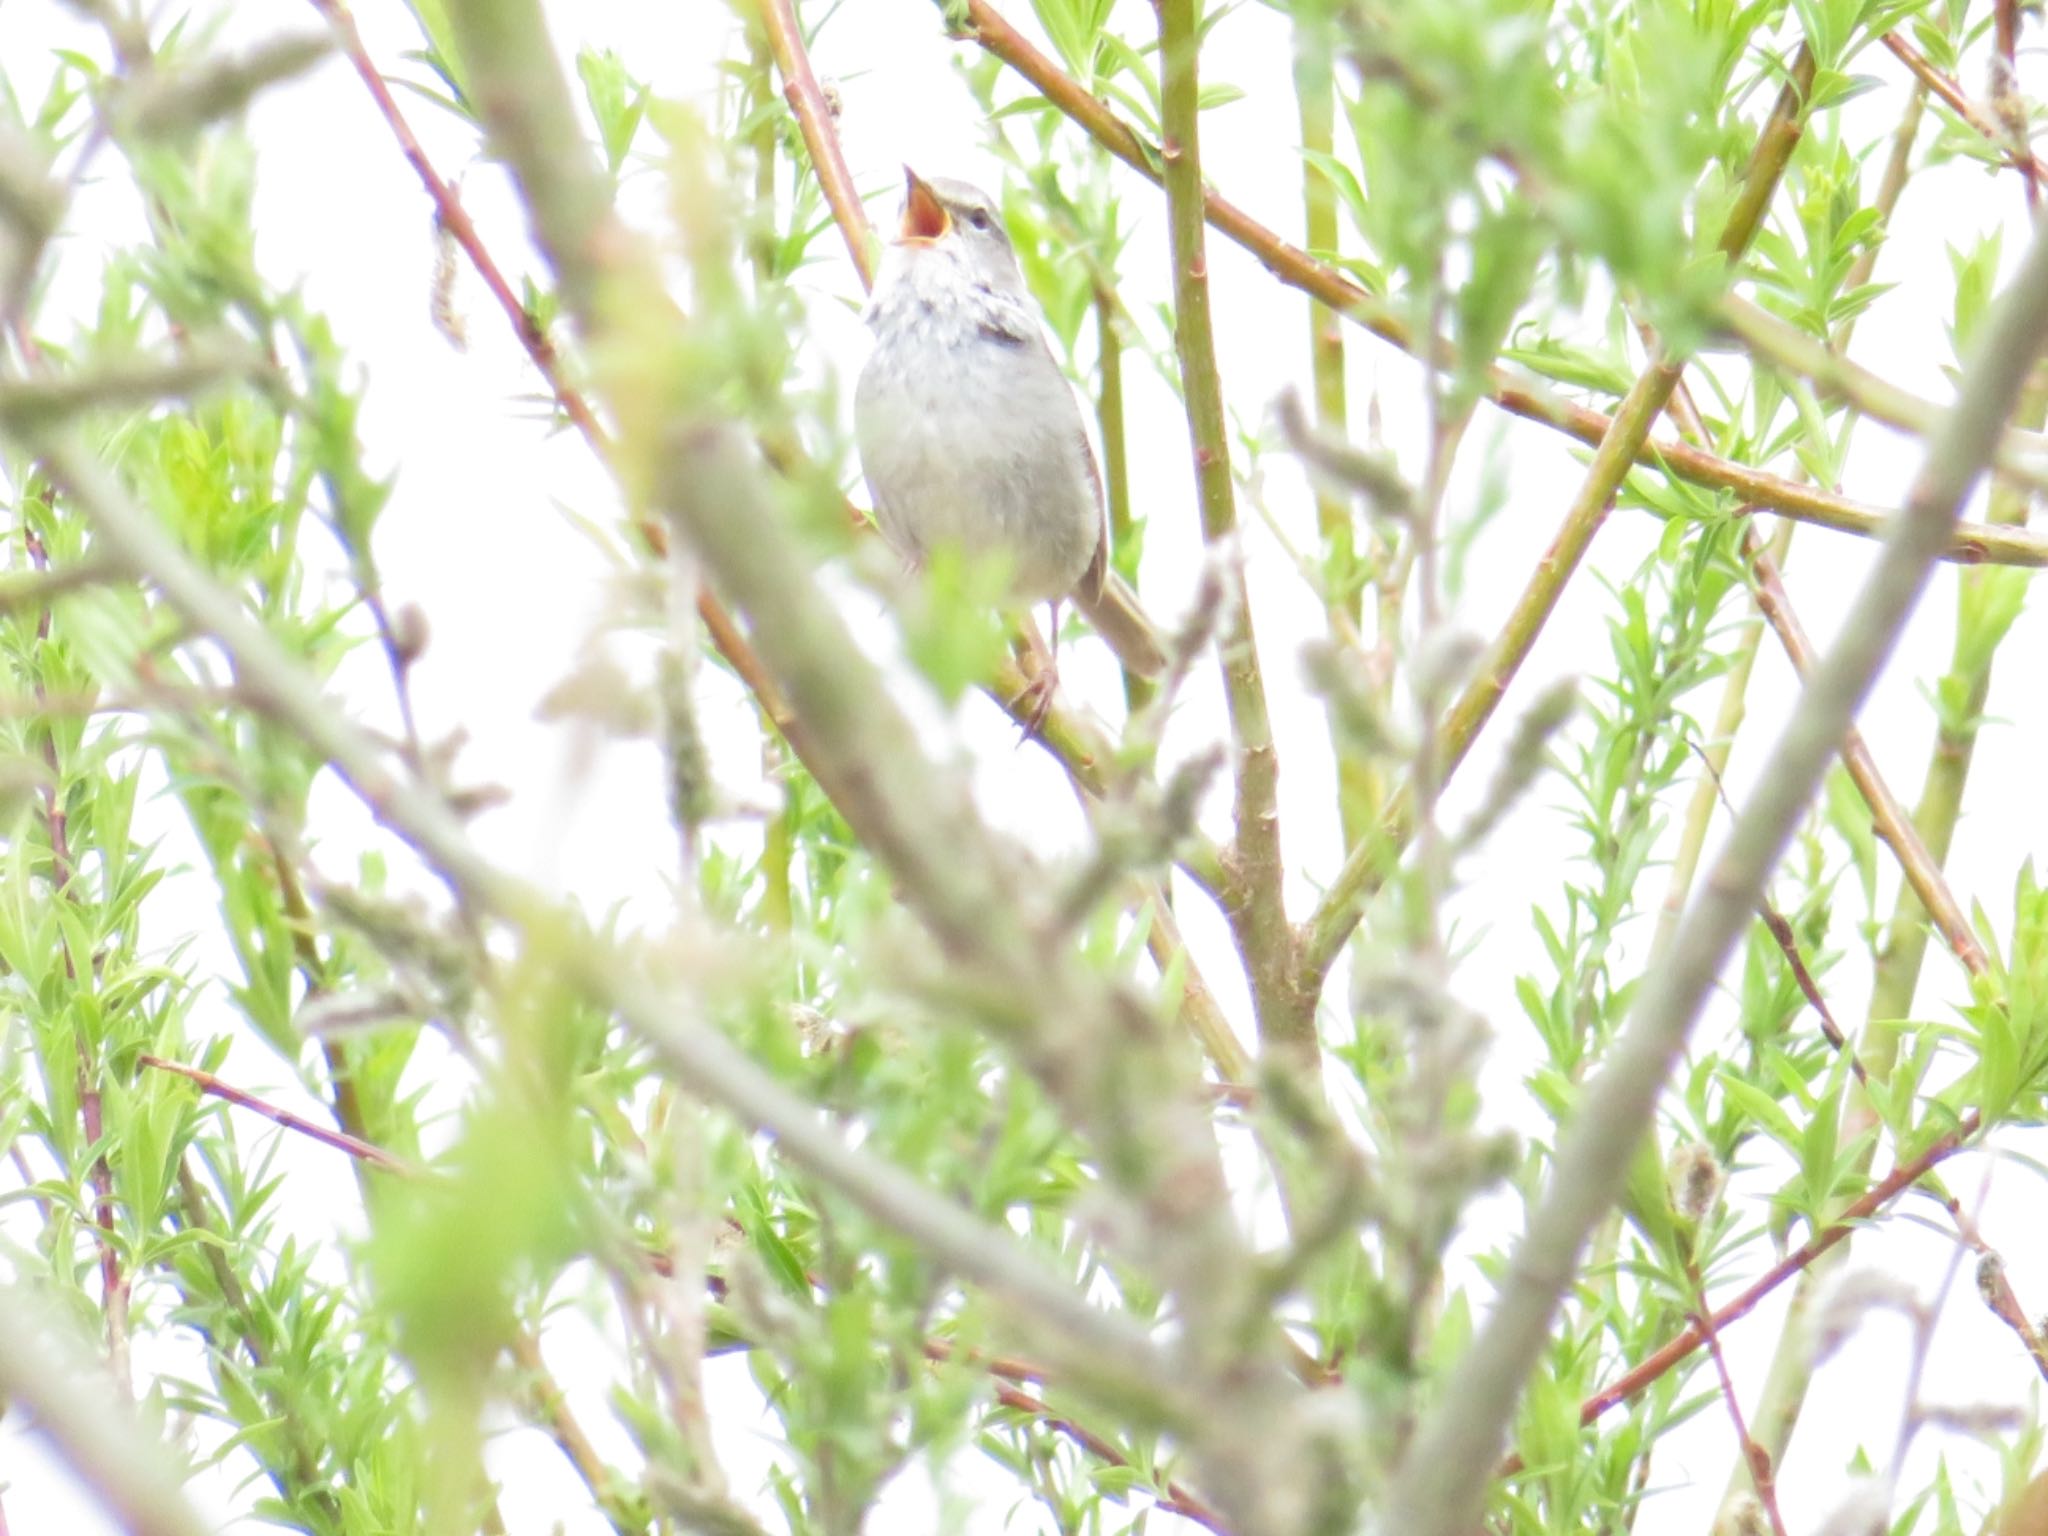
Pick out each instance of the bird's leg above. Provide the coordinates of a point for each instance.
(1040, 664)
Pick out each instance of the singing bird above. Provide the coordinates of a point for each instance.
(969, 433)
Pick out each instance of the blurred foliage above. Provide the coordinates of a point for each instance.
(1534, 185)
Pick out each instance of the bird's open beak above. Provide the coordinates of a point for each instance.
(925, 218)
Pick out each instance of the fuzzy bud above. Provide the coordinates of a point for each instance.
(1694, 1175)
(1864, 1511)
(409, 634)
(1743, 1515)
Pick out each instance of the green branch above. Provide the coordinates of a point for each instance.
(1442, 1485)
(1252, 866)
(1367, 863)
(1517, 393)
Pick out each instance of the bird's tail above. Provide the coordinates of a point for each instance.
(1116, 616)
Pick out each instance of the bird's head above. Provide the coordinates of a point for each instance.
(957, 222)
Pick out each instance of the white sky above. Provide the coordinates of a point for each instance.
(475, 534)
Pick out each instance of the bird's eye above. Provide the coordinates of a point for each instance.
(979, 218)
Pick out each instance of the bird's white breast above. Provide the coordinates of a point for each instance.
(972, 436)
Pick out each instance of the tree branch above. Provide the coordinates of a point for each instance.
(701, 1058)
(1252, 864)
(1439, 1489)
(130, 1471)
(1518, 393)
(1366, 864)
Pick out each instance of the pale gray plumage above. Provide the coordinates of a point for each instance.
(969, 433)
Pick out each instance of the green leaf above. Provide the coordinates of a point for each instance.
(617, 102)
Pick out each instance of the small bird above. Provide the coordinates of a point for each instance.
(969, 433)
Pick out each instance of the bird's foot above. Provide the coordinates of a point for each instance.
(1031, 707)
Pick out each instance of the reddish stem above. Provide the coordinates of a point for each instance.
(1745, 1301)
(814, 119)
(341, 1141)
(113, 1284)
(1755, 1456)
(456, 221)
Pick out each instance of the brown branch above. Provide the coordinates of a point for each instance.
(2006, 100)
(814, 120)
(548, 1404)
(1893, 826)
(341, 1141)
(1170, 1496)
(1780, 929)
(1519, 393)
(1788, 943)
(1745, 1301)
(1951, 95)
(454, 219)
(1009, 1373)
(1757, 1458)
(1994, 1287)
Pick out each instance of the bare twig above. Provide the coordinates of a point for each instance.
(548, 1404)
(1888, 817)
(454, 219)
(1879, 1195)
(341, 1141)
(1951, 95)
(814, 120)
(1758, 1459)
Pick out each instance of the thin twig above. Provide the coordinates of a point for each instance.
(2012, 147)
(1879, 1195)
(548, 1404)
(2006, 100)
(1888, 817)
(1780, 929)
(814, 120)
(341, 1141)
(454, 219)
(1758, 1459)
(1168, 1495)
(1994, 1288)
